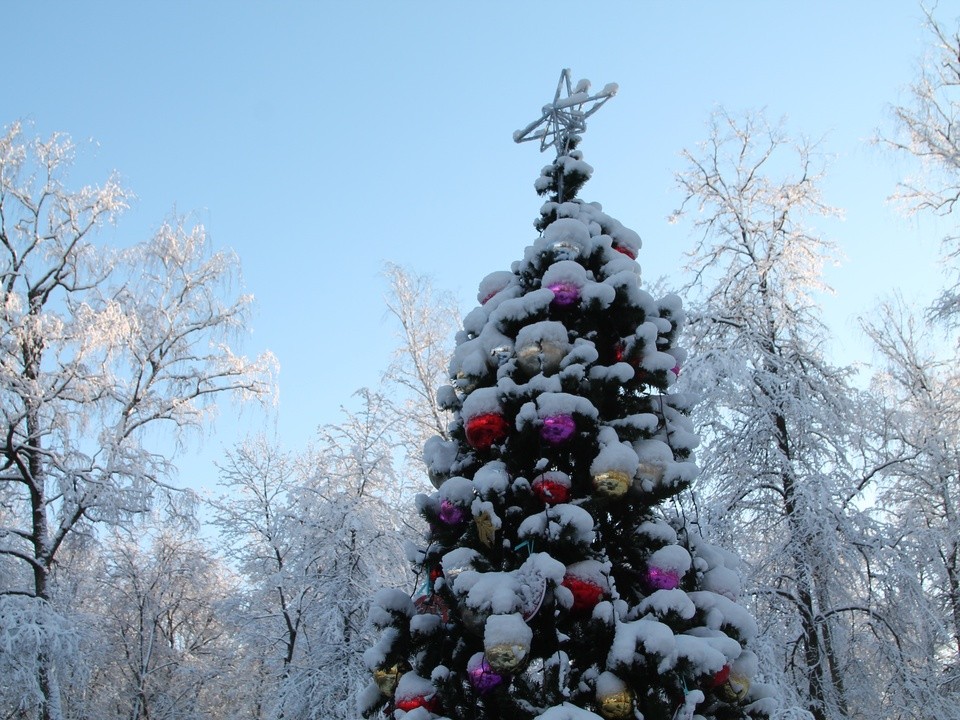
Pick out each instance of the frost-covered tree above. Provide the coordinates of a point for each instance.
(267, 539)
(554, 580)
(427, 319)
(927, 127)
(165, 642)
(314, 535)
(100, 350)
(920, 497)
(781, 426)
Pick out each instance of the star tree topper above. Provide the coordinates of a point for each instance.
(565, 116)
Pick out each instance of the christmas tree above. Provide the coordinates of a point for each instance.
(557, 583)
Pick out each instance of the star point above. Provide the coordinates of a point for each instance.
(565, 117)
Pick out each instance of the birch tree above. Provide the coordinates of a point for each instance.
(314, 533)
(426, 321)
(100, 351)
(920, 496)
(779, 422)
(167, 649)
(927, 128)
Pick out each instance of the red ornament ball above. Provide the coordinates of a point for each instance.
(412, 703)
(586, 594)
(720, 677)
(626, 250)
(485, 430)
(433, 604)
(552, 488)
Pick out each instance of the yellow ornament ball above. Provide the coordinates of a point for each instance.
(612, 483)
(387, 678)
(614, 698)
(505, 657)
(735, 688)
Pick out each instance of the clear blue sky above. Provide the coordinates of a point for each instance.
(320, 140)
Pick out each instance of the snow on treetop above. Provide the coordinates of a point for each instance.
(601, 293)
(553, 523)
(493, 284)
(591, 570)
(393, 600)
(608, 684)
(720, 611)
(700, 654)
(644, 636)
(615, 456)
(439, 454)
(747, 663)
(544, 331)
(658, 530)
(565, 230)
(518, 591)
(492, 478)
(412, 685)
(424, 624)
(458, 560)
(520, 308)
(671, 557)
(558, 403)
(480, 402)
(653, 450)
(663, 602)
(495, 592)
(723, 581)
(507, 630)
(457, 490)
(376, 655)
(730, 648)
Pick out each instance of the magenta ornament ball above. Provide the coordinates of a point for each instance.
(565, 294)
(661, 579)
(557, 429)
(483, 677)
(451, 514)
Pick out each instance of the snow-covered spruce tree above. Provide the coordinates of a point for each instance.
(555, 583)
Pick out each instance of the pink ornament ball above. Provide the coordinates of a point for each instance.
(565, 294)
(557, 429)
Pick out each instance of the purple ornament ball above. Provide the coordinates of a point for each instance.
(565, 294)
(557, 429)
(451, 514)
(483, 678)
(661, 579)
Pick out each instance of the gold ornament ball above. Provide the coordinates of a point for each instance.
(565, 250)
(473, 620)
(612, 483)
(617, 705)
(649, 475)
(505, 657)
(541, 356)
(465, 383)
(500, 354)
(735, 688)
(386, 679)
